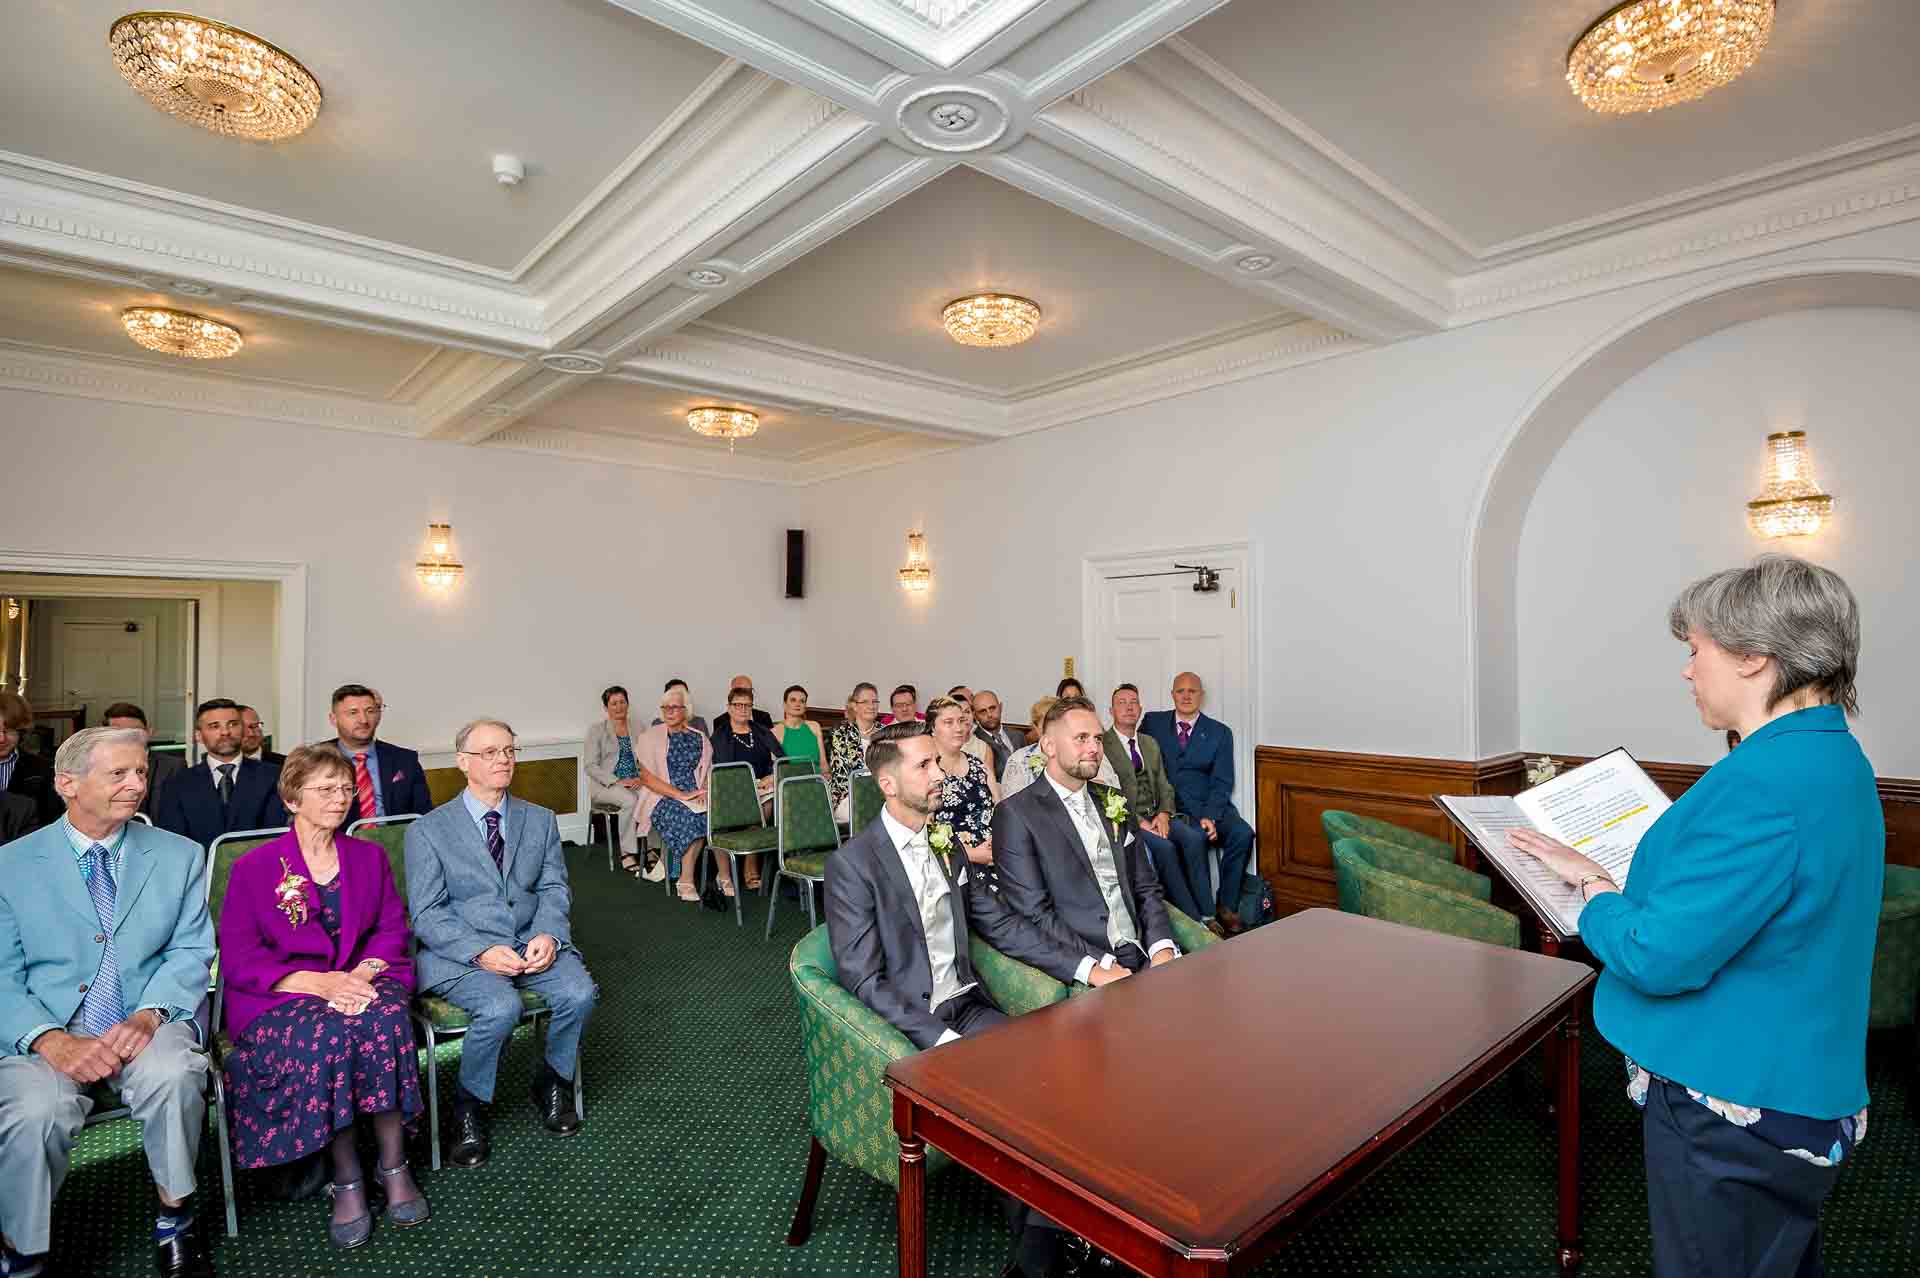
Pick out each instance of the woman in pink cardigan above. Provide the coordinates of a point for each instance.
(314, 956)
(675, 760)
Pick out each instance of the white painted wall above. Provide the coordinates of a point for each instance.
(578, 575)
(1650, 493)
(248, 645)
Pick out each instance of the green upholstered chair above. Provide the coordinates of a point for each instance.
(1396, 858)
(785, 767)
(1896, 952)
(865, 803)
(848, 1048)
(1346, 825)
(390, 832)
(1368, 887)
(736, 823)
(808, 836)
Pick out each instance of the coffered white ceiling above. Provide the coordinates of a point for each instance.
(765, 202)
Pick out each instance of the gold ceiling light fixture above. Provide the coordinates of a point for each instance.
(438, 569)
(171, 332)
(730, 424)
(990, 319)
(216, 76)
(1648, 54)
(1791, 504)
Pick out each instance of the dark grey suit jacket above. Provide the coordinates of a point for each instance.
(17, 817)
(1046, 878)
(161, 768)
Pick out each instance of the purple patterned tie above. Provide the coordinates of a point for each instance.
(496, 846)
(1133, 752)
(1185, 730)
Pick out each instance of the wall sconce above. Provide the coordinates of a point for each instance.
(916, 575)
(438, 570)
(1791, 504)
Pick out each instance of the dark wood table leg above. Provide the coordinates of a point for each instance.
(913, 1198)
(1569, 1115)
(1550, 1058)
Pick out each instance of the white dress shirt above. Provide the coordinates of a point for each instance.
(1106, 871)
(930, 888)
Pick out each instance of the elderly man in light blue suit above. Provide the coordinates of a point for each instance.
(487, 889)
(105, 949)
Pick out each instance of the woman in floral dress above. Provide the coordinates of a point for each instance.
(967, 789)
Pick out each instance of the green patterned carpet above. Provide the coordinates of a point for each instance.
(696, 1140)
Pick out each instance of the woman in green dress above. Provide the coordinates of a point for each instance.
(800, 736)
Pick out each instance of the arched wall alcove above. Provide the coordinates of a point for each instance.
(1569, 397)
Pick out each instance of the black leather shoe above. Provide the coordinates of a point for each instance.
(184, 1255)
(469, 1147)
(554, 1100)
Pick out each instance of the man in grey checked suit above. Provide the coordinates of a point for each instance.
(487, 889)
(105, 949)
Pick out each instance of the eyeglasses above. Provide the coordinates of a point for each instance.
(493, 754)
(329, 791)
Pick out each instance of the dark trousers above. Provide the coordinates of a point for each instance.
(1724, 1203)
(1180, 861)
(1236, 849)
(969, 1012)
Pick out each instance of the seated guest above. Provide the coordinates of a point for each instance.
(613, 776)
(800, 737)
(487, 883)
(105, 951)
(903, 703)
(162, 767)
(1738, 959)
(1178, 850)
(742, 683)
(1198, 752)
(848, 745)
(387, 779)
(223, 793)
(697, 722)
(253, 738)
(897, 917)
(1025, 765)
(17, 817)
(26, 775)
(967, 790)
(314, 953)
(741, 738)
(675, 761)
(973, 744)
(987, 726)
(1067, 687)
(1071, 861)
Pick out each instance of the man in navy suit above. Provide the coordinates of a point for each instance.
(1199, 756)
(387, 779)
(224, 792)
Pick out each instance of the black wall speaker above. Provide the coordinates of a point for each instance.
(796, 563)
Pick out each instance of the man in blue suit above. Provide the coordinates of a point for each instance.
(387, 779)
(105, 949)
(487, 889)
(1199, 756)
(225, 791)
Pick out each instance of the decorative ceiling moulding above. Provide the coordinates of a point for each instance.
(954, 118)
(941, 31)
(681, 458)
(576, 363)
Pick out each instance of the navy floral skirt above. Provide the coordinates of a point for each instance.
(303, 1072)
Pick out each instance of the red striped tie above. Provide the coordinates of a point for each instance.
(363, 786)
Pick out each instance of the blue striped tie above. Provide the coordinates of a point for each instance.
(104, 1006)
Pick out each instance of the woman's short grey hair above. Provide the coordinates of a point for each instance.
(460, 737)
(1800, 614)
(75, 755)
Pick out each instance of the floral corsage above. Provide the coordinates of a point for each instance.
(940, 839)
(290, 894)
(1116, 806)
(1036, 763)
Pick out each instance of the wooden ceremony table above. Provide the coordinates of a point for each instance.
(1128, 1116)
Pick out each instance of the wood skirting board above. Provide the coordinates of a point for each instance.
(1296, 786)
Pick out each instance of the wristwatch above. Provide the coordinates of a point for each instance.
(1581, 886)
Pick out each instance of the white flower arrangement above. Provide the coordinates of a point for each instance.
(1541, 770)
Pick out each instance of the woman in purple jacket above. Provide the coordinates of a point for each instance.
(314, 952)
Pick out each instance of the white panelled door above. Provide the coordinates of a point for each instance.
(1145, 623)
(99, 662)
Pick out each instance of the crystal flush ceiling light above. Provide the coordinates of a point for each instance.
(1649, 54)
(171, 332)
(990, 319)
(729, 424)
(213, 75)
(1791, 505)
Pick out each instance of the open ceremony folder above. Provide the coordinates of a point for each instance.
(1600, 809)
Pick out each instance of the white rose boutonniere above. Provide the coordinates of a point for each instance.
(940, 839)
(1036, 763)
(1116, 807)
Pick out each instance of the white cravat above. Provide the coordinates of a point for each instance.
(934, 897)
(1106, 869)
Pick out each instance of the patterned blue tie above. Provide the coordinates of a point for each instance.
(104, 1006)
(496, 845)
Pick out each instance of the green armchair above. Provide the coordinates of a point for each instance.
(1896, 952)
(1383, 881)
(1346, 825)
(848, 1048)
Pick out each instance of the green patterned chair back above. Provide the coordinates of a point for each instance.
(1381, 894)
(732, 802)
(848, 1047)
(221, 855)
(1397, 859)
(806, 817)
(1346, 825)
(1896, 952)
(866, 802)
(784, 767)
(391, 834)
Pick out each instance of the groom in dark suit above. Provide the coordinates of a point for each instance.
(1072, 862)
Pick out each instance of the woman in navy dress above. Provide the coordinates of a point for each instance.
(674, 762)
(967, 790)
